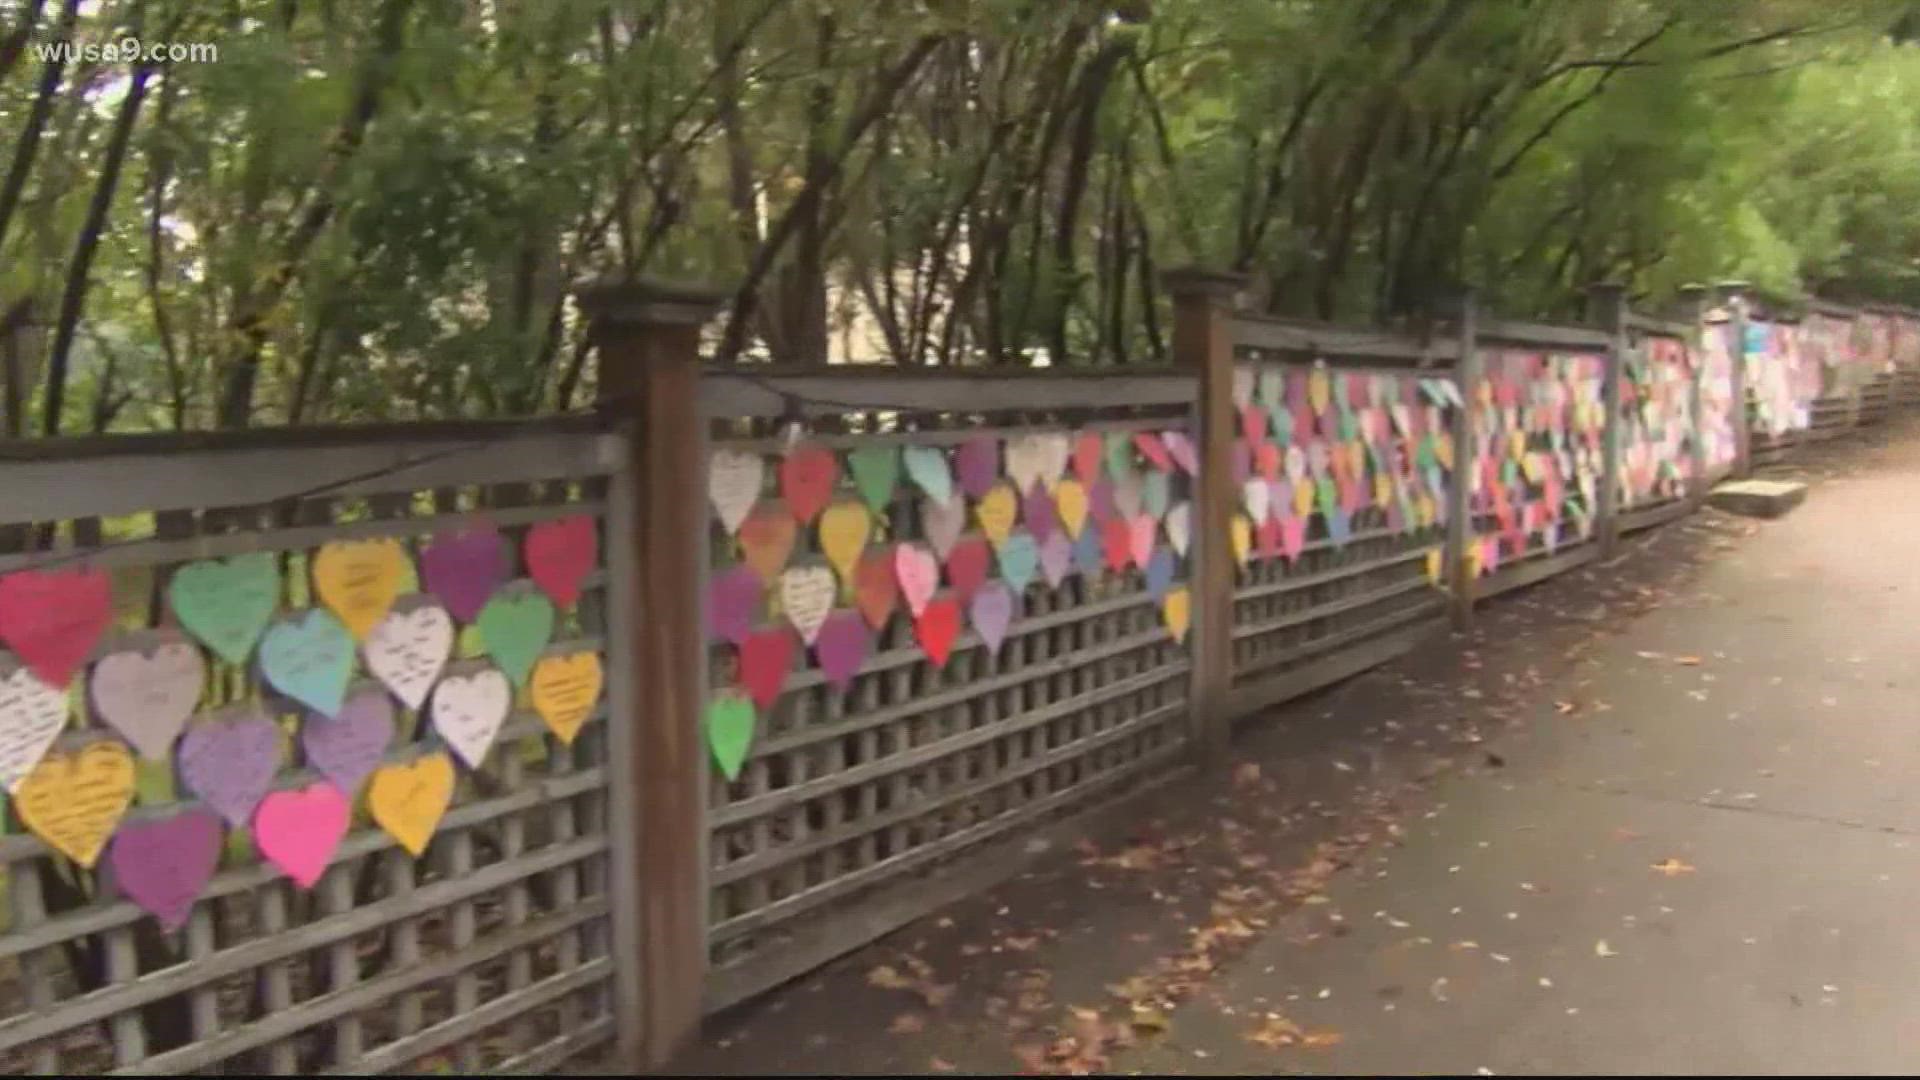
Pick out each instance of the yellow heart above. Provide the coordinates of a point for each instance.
(1302, 499)
(1177, 607)
(1425, 511)
(409, 800)
(73, 801)
(359, 579)
(844, 530)
(1070, 496)
(1433, 566)
(1517, 444)
(996, 512)
(1319, 390)
(1473, 561)
(1382, 489)
(1242, 530)
(1443, 450)
(565, 689)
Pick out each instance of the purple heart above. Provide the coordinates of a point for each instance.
(1100, 503)
(348, 747)
(463, 569)
(992, 612)
(1041, 516)
(1242, 462)
(841, 648)
(1056, 558)
(1180, 448)
(734, 601)
(163, 865)
(230, 764)
(978, 463)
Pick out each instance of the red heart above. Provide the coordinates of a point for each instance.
(875, 588)
(1116, 542)
(1269, 536)
(967, 566)
(52, 618)
(1269, 455)
(1253, 423)
(1087, 452)
(765, 661)
(937, 627)
(807, 477)
(1153, 450)
(560, 554)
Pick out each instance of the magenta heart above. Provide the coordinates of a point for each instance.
(230, 764)
(163, 865)
(52, 618)
(464, 568)
(735, 600)
(978, 464)
(1039, 512)
(1240, 460)
(347, 747)
(298, 831)
(841, 648)
(1181, 449)
(1100, 502)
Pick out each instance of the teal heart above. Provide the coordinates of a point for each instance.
(1340, 392)
(1509, 472)
(1019, 560)
(1282, 418)
(1349, 425)
(1329, 498)
(1437, 482)
(876, 469)
(730, 721)
(1119, 446)
(515, 626)
(309, 658)
(1273, 388)
(1157, 493)
(227, 602)
(1435, 390)
(1423, 454)
(927, 466)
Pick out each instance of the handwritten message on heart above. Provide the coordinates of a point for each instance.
(164, 865)
(841, 647)
(468, 711)
(408, 801)
(560, 554)
(226, 603)
(807, 477)
(298, 831)
(565, 690)
(309, 658)
(766, 540)
(730, 719)
(52, 618)
(148, 694)
(806, 595)
(73, 801)
(844, 530)
(734, 482)
(410, 648)
(516, 625)
(229, 761)
(358, 580)
(32, 715)
(463, 568)
(346, 748)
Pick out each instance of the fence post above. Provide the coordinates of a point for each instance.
(1607, 309)
(1469, 373)
(1736, 305)
(647, 336)
(1693, 308)
(1203, 344)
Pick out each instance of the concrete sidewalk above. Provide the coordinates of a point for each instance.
(1653, 817)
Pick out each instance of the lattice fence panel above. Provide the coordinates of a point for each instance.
(1719, 440)
(1537, 469)
(1657, 421)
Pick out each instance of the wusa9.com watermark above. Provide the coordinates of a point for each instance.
(128, 50)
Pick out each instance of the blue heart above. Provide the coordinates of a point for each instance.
(1087, 554)
(1338, 526)
(309, 658)
(1020, 560)
(1160, 573)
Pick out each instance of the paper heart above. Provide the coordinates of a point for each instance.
(463, 568)
(52, 618)
(1070, 498)
(978, 463)
(1038, 511)
(1176, 609)
(309, 657)
(1253, 424)
(1056, 559)
(1180, 448)
(1180, 527)
(996, 513)
(565, 690)
(735, 601)
(1100, 502)
(1319, 390)
(347, 747)
(1141, 533)
(1303, 495)
(1270, 386)
(1240, 461)
(807, 477)
(1027, 462)
(1434, 565)
(844, 530)
(875, 589)
(468, 711)
(1280, 498)
(937, 628)
(1087, 452)
(298, 831)
(967, 566)
(230, 761)
(410, 648)
(943, 522)
(1019, 560)
(1154, 449)
(1156, 493)
(1116, 543)
(927, 467)
(841, 647)
(735, 479)
(1255, 496)
(358, 580)
(560, 554)
(147, 694)
(226, 603)
(991, 613)
(1293, 537)
(1129, 495)
(919, 575)
(1267, 461)
(1296, 464)
(1056, 454)
(766, 540)
(409, 800)
(806, 596)
(164, 865)
(32, 715)
(1240, 534)
(73, 801)
(876, 472)
(766, 659)
(1119, 452)
(1245, 380)
(515, 626)
(1089, 552)
(1267, 538)
(729, 724)
(1160, 573)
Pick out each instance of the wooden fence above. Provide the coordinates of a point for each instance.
(480, 747)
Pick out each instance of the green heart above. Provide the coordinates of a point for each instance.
(876, 469)
(1273, 388)
(227, 603)
(516, 624)
(1119, 446)
(730, 732)
(1157, 493)
(1329, 498)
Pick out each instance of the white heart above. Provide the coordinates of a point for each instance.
(1255, 494)
(409, 648)
(1026, 462)
(807, 594)
(919, 576)
(1129, 493)
(468, 711)
(148, 696)
(1243, 382)
(1056, 452)
(1296, 463)
(31, 716)
(734, 479)
(1180, 527)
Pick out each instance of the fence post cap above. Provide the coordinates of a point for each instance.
(634, 301)
(1607, 288)
(1200, 281)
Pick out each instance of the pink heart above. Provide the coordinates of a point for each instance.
(52, 618)
(919, 576)
(560, 553)
(1140, 533)
(1056, 557)
(1293, 537)
(298, 831)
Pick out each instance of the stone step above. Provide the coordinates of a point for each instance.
(1758, 498)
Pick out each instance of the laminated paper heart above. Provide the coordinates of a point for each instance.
(978, 463)
(766, 540)
(468, 711)
(348, 747)
(463, 568)
(565, 691)
(807, 478)
(1253, 424)
(1087, 452)
(52, 618)
(32, 715)
(1056, 453)
(807, 594)
(164, 865)
(875, 589)
(937, 628)
(735, 479)
(876, 472)
(1240, 461)
(1293, 537)
(1027, 461)
(1070, 498)
(927, 467)
(918, 573)
(1154, 449)
(1156, 493)
(410, 648)
(845, 528)
(996, 513)
(147, 694)
(1180, 448)
(1177, 609)
(1119, 453)
(409, 800)
(942, 522)
(1056, 559)
(1267, 538)
(1100, 502)
(73, 801)
(1160, 573)
(967, 566)
(1037, 510)
(1245, 381)
(1268, 460)
(1280, 498)
(230, 761)
(226, 603)
(841, 648)
(309, 657)
(1254, 495)
(1270, 386)
(1019, 560)
(1241, 535)
(1116, 542)
(735, 599)
(765, 661)
(560, 554)
(991, 613)
(358, 580)
(298, 831)
(516, 625)
(729, 725)
(1129, 495)
(1089, 552)
(1180, 527)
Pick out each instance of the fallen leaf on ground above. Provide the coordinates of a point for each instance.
(1645, 655)
(1320, 1040)
(1148, 1020)
(941, 1065)
(1687, 661)
(1564, 707)
(1247, 772)
(1673, 867)
(908, 1024)
(1601, 948)
(1623, 835)
(1276, 1032)
(886, 978)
